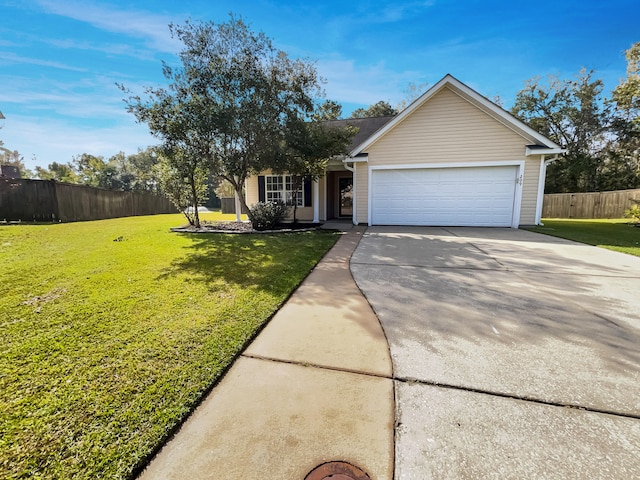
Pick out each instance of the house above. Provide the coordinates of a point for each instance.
(452, 158)
(9, 171)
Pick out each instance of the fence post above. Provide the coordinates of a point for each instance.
(56, 204)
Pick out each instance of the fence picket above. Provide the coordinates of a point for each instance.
(589, 205)
(47, 200)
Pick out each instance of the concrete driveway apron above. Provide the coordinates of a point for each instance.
(515, 355)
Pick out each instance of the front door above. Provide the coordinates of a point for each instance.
(346, 197)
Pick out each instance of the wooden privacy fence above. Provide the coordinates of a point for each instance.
(228, 205)
(48, 200)
(589, 205)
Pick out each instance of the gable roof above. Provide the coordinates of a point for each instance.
(366, 127)
(541, 145)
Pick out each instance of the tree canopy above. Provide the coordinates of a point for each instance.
(14, 159)
(571, 113)
(329, 110)
(120, 172)
(62, 172)
(380, 109)
(627, 94)
(231, 103)
(600, 132)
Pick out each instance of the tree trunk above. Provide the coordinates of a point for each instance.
(297, 185)
(194, 201)
(241, 200)
(238, 206)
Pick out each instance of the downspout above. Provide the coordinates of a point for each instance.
(353, 170)
(316, 201)
(541, 181)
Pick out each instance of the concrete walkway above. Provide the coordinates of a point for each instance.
(314, 387)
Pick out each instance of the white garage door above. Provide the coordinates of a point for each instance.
(473, 196)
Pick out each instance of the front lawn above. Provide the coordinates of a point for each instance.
(112, 330)
(616, 234)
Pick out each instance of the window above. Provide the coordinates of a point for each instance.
(280, 188)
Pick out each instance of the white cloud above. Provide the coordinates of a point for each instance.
(13, 58)
(350, 82)
(95, 98)
(398, 11)
(137, 23)
(110, 48)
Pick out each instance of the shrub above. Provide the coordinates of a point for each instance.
(266, 215)
(634, 212)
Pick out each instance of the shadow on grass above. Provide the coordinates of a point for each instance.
(271, 263)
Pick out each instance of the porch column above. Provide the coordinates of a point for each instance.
(316, 201)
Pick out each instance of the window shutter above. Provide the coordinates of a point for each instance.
(261, 189)
(307, 192)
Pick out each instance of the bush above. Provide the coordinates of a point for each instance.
(266, 215)
(634, 212)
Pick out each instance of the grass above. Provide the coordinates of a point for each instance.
(614, 234)
(106, 345)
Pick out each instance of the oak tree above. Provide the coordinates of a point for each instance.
(229, 102)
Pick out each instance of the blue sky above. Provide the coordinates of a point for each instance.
(60, 59)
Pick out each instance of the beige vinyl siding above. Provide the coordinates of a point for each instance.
(447, 129)
(450, 129)
(362, 185)
(530, 191)
(251, 190)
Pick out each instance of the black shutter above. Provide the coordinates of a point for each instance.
(307, 192)
(261, 189)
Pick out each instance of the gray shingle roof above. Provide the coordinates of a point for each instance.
(366, 127)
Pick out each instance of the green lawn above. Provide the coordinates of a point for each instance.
(105, 345)
(616, 234)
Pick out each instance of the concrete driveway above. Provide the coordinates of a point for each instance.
(515, 355)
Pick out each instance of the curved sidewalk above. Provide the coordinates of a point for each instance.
(315, 386)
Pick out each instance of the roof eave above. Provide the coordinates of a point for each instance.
(359, 158)
(537, 150)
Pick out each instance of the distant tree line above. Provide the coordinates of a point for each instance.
(600, 132)
(136, 172)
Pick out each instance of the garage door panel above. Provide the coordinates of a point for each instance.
(474, 196)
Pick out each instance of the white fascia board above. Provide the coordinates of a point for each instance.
(544, 151)
(360, 159)
(492, 109)
(412, 166)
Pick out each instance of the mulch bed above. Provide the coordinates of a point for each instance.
(244, 227)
